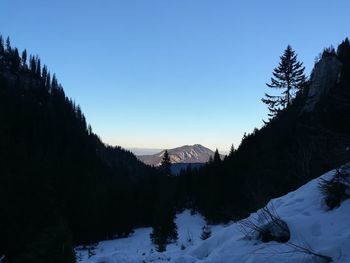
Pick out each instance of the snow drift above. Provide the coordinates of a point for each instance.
(317, 234)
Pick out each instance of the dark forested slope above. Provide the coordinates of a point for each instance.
(59, 184)
(305, 139)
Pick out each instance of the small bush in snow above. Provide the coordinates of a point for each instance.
(336, 190)
(268, 226)
(206, 232)
(277, 230)
(91, 251)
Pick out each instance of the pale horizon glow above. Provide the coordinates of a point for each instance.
(162, 74)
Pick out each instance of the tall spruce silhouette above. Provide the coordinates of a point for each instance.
(165, 166)
(289, 77)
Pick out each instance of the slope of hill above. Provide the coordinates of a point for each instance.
(316, 235)
(59, 183)
(184, 154)
(305, 139)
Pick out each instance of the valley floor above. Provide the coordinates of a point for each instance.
(311, 225)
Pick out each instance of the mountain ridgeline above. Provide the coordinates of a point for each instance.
(60, 186)
(184, 154)
(181, 158)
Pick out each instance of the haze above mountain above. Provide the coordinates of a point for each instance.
(144, 151)
(185, 154)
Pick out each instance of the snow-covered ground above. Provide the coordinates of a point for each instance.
(311, 225)
(139, 248)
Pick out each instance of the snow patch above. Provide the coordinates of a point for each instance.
(311, 226)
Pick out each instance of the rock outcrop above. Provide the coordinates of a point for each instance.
(326, 74)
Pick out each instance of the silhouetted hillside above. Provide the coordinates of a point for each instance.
(307, 138)
(59, 184)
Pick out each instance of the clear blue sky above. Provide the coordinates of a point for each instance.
(160, 74)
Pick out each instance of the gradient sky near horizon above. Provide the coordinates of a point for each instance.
(161, 74)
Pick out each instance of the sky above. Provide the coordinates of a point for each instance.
(166, 73)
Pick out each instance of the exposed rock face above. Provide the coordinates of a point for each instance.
(325, 75)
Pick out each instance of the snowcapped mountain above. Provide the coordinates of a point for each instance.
(185, 154)
(317, 234)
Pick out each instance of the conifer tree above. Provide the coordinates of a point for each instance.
(232, 150)
(288, 76)
(48, 80)
(165, 166)
(38, 67)
(343, 51)
(54, 83)
(16, 60)
(8, 45)
(217, 158)
(24, 57)
(1, 45)
(32, 65)
(44, 73)
(328, 52)
(164, 229)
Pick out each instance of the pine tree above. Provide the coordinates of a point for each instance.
(48, 80)
(8, 45)
(217, 158)
(16, 60)
(232, 150)
(343, 51)
(158, 239)
(165, 166)
(164, 230)
(38, 67)
(54, 83)
(32, 65)
(2, 49)
(44, 74)
(288, 76)
(24, 58)
(329, 52)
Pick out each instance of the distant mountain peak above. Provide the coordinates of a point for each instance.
(196, 153)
